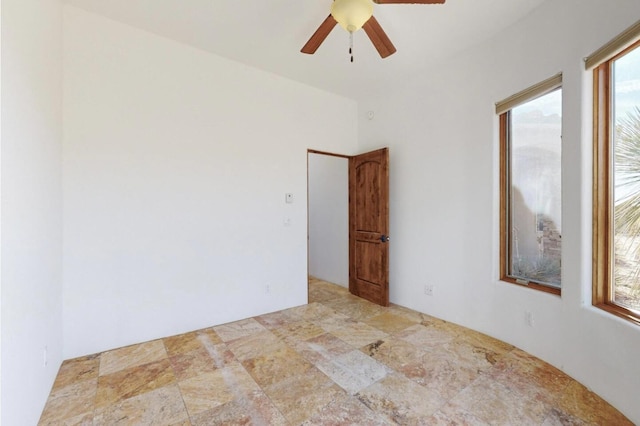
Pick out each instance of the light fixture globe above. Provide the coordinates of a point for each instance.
(352, 14)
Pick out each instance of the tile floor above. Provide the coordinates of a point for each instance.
(337, 361)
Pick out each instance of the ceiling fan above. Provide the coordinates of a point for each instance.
(353, 15)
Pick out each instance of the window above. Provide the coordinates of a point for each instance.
(530, 187)
(616, 198)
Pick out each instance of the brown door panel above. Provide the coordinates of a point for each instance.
(369, 226)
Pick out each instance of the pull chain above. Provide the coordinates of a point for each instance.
(351, 45)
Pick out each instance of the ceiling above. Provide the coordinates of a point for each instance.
(268, 34)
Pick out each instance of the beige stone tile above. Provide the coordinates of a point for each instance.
(275, 319)
(333, 322)
(426, 336)
(353, 371)
(298, 330)
(480, 340)
(446, 370)
(580, 402)
(394, 352)
(73, 401)
(311, 312)
(358, 309)
(133, 381)
(346, 411)
(254, 345)
(252, 409)
(302, 396)
(132, 356)
(448, 362)
(273, 367)
(457, 418)
(322, 295)
(560, 418)
(188, 342)
(409, 314)
(486, 381)
(76, 370)
(494, 403)
(163, 406)
(359, 334)
(322, 348)
(199, 361)
(525, 373)
(389, 322)
(210, 390)
(81, 420)
(400, 400)
(236, 330)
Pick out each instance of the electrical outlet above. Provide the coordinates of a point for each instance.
(428, 289)
(45, 359)
(267, 289)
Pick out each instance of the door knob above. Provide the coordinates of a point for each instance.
(384, 238)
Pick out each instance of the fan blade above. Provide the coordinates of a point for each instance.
(318, 37)
(409, 1)
(378, 37)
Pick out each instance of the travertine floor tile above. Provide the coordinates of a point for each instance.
(353, 371)
(426, 336)
(188, 342)
(133, 381)
(559, 418)
(196, 362)
(236, 330)
(132, 356)
(494, 403)
(580, 402)
(389, 322)
(252, 409)
(75, 400)
(302, 396)
(394, 352)
(358, 334)
(275, 319)
(458, 418)
(312, 311)
(358, 309)
(346, 411)
(276, 366)
(254, 345)
(162, 406)
(400, 400)
(76, 370)
(525, 373)
(322, 348)
(339, 360)
(210, 390)
(298, 330)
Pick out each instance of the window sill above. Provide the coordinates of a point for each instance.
(533, 286)
(620, 312)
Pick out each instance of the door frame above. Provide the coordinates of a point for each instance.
(329, 154)
(350, 159)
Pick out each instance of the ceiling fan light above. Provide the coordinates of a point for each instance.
(352, 14)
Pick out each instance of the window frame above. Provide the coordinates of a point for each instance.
(603, 281)
(503, 109)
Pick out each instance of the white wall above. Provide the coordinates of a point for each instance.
(329, 218)
(442, 132)
(176, 164)
(31, 242)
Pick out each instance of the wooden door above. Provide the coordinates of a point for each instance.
(369, 226)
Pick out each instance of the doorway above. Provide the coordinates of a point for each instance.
(348, 221)
(328, 217)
